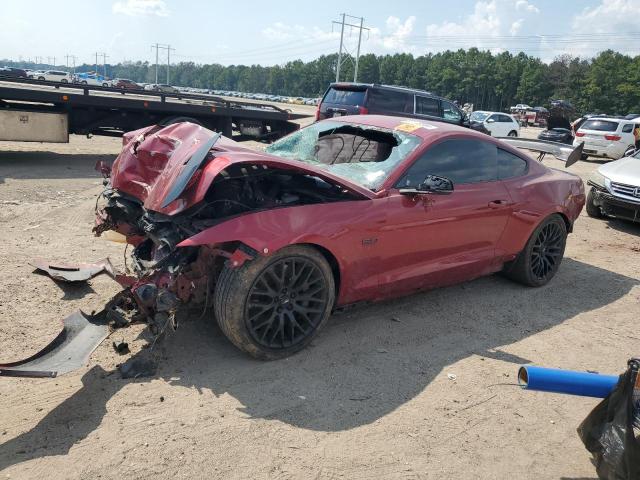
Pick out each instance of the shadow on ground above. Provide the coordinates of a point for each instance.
(360, 368)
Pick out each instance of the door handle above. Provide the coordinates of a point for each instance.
(498, 203)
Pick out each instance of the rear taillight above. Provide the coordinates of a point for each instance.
(615, 138)
(318, 113)
(363, 110)
(579, 134)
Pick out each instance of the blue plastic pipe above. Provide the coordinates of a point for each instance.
(566, 381)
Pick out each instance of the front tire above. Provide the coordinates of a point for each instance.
(592, 209)
(272, 307)
(540, 259)
(512, 133)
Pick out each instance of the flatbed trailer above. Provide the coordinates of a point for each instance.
(36, 110)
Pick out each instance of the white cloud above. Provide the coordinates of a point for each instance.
(524, 5)
(515, 27)
(488, 27)
(140, 8)
(396, 35)
(609, 16)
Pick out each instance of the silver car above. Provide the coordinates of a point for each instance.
(615, 189)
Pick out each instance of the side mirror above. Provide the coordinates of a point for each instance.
(491, 120)
(431, 184)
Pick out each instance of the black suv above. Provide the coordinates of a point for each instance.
(364, 98)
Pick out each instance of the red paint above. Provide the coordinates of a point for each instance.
(385, 244)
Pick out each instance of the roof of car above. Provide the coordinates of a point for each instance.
(421, 128)
(380, 85)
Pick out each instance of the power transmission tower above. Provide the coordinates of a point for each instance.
(73, 58)
(158, 47)
(104, 62)
(343, 48)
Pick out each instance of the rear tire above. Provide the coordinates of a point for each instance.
(272, 307)
(592, 209)
(540, 259)
(40, 78)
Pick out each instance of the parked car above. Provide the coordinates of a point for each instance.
(615, 189)
(126, 84)
(13, 72)
(362, 98)
(498, 124)
(92, 79)
(346, 210)
(34, 73)
(607, 137)
(560, 135)
(55, 76)
(161, 87)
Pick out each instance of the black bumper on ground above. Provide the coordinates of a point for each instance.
(614, 206)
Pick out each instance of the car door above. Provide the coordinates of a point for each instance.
(493, 125)
(437, 239)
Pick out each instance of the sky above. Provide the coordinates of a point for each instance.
(277, 31)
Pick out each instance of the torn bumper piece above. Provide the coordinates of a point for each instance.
(70, 350)
(73, 273)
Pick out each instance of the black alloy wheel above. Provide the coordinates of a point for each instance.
(273, 306)
(539, 260)
(547, 250)
(286, 303)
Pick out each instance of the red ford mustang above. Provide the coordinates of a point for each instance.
(346, 210)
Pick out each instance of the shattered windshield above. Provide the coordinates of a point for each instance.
(363, 154)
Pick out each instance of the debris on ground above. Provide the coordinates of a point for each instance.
(121, 347)
(137, 367)
(79, 272)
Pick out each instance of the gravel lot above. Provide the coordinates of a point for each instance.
(371, 398)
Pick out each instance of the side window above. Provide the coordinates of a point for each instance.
(461, 161)
(427, 106)
(510, 165)
(505, 118)
(450, 111)
(628, 128)
(382, 100)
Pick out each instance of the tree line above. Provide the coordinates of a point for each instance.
(608, 83)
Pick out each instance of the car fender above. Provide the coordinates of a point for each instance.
(341, 228)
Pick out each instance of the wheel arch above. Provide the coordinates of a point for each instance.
(331, 259)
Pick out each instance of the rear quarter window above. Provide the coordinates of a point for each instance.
(391, 101)
(510, 165)
(339, 96)
(600, 125)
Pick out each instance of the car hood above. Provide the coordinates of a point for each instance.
(153, 159)
(626, 170)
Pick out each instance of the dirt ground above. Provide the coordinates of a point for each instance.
(371, 398)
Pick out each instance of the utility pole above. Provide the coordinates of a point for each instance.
(104, 63)
(342, 45)
(168, 61)
(158, 47)
(96, 69)
(340, 50)
(72, 57)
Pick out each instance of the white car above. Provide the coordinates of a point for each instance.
(498, 124)
(55, 76)
(606, 137)
(615, 189)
